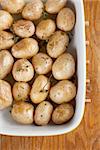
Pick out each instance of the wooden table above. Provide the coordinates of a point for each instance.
(87, 135)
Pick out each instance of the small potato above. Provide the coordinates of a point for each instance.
(22, 112)
(54, 6)
(42, 63)
(45, 29)
(63, 91)
(40, 89)
(5, 95)
(26, 48)
(63, 67)
(6, 63)
(66, 19)
(24, 28)
(23, 70)
(21, 91)
(12, 6)
(33, 10)
(43, 113)
(6, 40)
(62, 113)
(57, 44)
(6, 20)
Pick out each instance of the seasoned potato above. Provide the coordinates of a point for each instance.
(33, 10)
(26, 48)
(6, 40)
(40, 89)
(5, 95)
(22, 112)
(43, 113)
(6, 20)
(45, 29)
(21, 91)
(6, 63)
(42, 63)
(12, 6)
(63, 67)
(62, 113)
(24, 28)
(66, 19)
(57, 44)
(23, 70)
(63, 91)
(54, 6)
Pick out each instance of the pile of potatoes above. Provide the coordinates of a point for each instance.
(42, 89)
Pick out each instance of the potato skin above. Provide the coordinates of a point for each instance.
(33, 10)
(45, 29)
(22, 112)
(40, 89)
(57, 44)
(66, 19)
(23, 70)
(63, 67)
(21, 91)
(54, 6)
(26, 48)
(43, 113)
(42, 63)
(5, 95)
(6, 20)
(63, 91)
(62, 113)
(6, 40)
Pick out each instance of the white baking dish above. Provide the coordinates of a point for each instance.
(9, 127)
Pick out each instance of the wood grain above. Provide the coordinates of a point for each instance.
(87, 135)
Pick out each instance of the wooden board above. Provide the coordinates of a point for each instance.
(87, 135)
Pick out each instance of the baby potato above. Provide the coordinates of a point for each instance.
(63, 67)
(24, 28)
(5, 95)
(57, 44)
(23, 70)
(6, 40)
(26, 48)
(45, 29)
(33, 10)
(66, 19)
(62, 113)
(43, 113)
(40, 89)
(22, 112)
(54, 6)
(12, 6)
(63, 91)
(42, 63)
(6, 20)
(21, 91)
(6, 63)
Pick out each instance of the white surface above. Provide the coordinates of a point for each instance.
(9, 127)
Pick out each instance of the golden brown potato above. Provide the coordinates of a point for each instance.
(6, 63)
(23, 70)
(57, 44)
(63, 91)
(26, 48)
(40, 89)
(21, 91)
(66, 19)
(5, 95)
(63, 67)
(22, 112)
(62, 113)
(43, 113)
